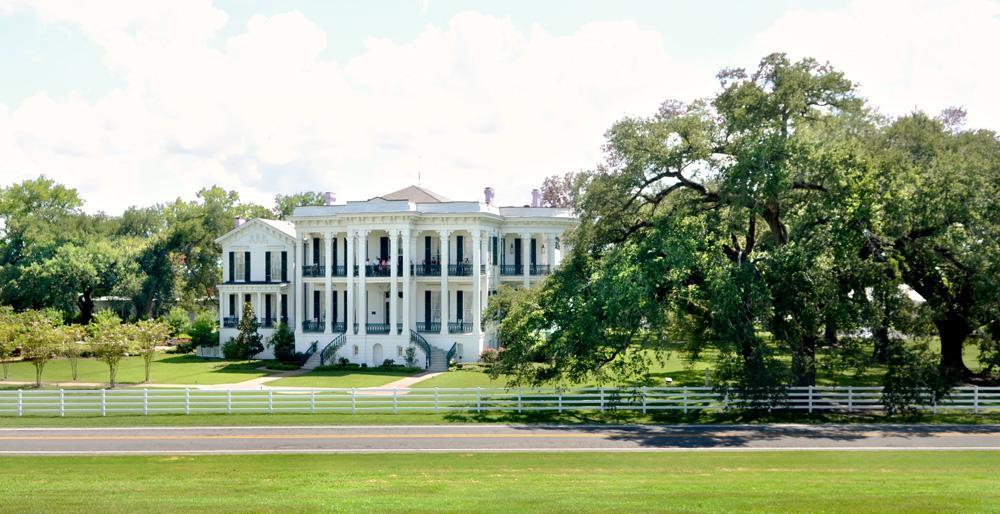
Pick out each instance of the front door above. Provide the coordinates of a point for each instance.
(377, 354)
(383, 248)
(427, 310)
(517, 253)
(459, 250)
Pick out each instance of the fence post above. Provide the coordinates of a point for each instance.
(312, 401)
(437, 404)
(20, 402)
(62, 403)
(270, 401)
(354, 400)
(685, 399)
(602, 398)
(395, 401)
(104, 404)
(643, 399)
(229, 401)
(975, 399)
(559, 392)
(810, 399)
(145, 401)
(478, 400)
(850, 398)
(519, 404)
(933, 403)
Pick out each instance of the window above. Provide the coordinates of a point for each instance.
(240, 265)
(355, 350)
(399, 351)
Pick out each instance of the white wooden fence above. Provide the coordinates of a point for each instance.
(103, 402)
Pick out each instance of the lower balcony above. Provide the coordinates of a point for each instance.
(377, 328)
(339, 327)
(312, 326)
(230, 322)
(459, 327)
(539, 269)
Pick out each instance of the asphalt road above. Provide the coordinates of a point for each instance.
(492, 438)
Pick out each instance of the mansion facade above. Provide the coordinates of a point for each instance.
(365, 280)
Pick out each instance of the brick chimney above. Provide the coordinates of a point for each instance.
(237, 221)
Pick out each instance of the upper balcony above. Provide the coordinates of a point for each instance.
(314, 270)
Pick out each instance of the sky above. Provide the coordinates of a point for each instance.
(137, 103)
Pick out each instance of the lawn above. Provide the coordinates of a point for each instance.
(166, 369)
(512, 482)
(372, 377)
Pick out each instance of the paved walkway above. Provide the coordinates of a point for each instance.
(496, 438)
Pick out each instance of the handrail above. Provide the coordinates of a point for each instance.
(330, 350)
(312, 349)
(451, 353)
(419, 340)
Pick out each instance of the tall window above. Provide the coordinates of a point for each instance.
(241, 265)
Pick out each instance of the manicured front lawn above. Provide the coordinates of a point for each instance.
(343, 378)
(518, 482)
(166, 369)
(463, 378)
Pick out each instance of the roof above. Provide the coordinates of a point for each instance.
(287, 228)
(415, 194)
(284, 226)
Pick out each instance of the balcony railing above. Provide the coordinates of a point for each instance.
(312, 326)
(432, 327)
(340, 271)
(511, 269)
(377, 271)
(539, 269)
(230, 322)
(427, 270)
(464, 270)
(377, 328)
(459, 327)
(313, 270)
(339, 326)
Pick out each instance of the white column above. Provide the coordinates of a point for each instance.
(222, 307)
(300, 311)
(550, 249)
(393, 275)
(477, 299)
(328, 276)
(445, 250)
(363, 284)
(525, 257)
(406, 281)
(258, 308)
(489, 271)
(350, 282)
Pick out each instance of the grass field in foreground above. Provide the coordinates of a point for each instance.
(514, 482)
(343, 378)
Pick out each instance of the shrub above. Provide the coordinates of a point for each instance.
(179, 320)
(283, 342)
(912, 378)
(343, 361)
(490, 356)
(204, 330)
(230, 350)
(248, 341)
(388, 363)
(280, 366)
(411, 357)
(364, 365)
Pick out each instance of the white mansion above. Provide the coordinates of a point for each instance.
(366, 279)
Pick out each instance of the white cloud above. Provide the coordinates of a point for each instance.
(477, 102)
(905, 54)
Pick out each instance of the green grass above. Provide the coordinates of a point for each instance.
(519, 482)
(166, 369)
(372, 377)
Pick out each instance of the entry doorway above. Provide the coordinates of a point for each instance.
(377, 354)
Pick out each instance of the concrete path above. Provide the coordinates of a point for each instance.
(495, 438)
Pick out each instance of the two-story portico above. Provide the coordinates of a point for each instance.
(412, 268)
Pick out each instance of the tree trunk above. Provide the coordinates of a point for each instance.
(881, 351)
(953, 331)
